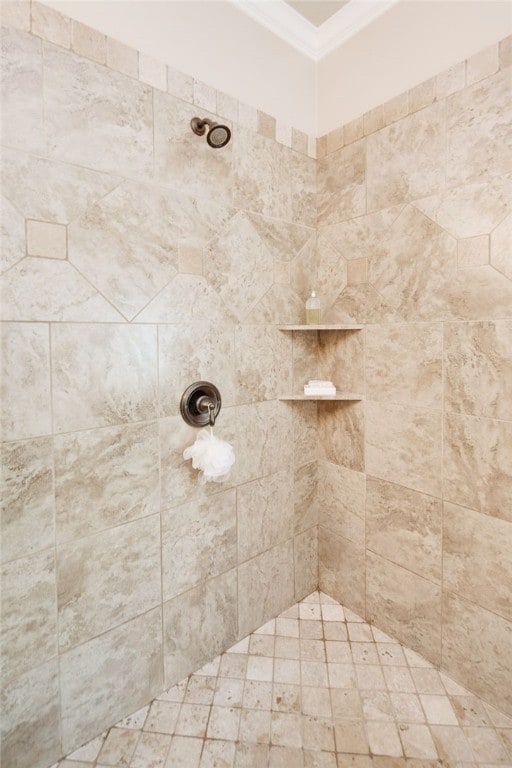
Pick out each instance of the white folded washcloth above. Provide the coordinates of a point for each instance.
(319, 383)
(308, 390)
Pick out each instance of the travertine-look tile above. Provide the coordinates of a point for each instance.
(46, 239)
(51, 290)
(477, 558)
(227, 106)
(397, 108)
(341, 433)
(105, 477)
(266, 125)
(111, 133)
(152, 72)
(30, 727)
(341, 501)
(106, 579)
(180, 85)
(262, 176)
(103, 375)
(22, 97)
(239, 257)
(305, 555)
(470, 210)
(16, 13)
(303, 189)
(473, 251)
(305, 488)
(198, 541)
(477, 650)
(262, 363)
(331, 270)
(422, 95)
(451, 80)
(29, 620)
(342, 184)
(51, 25)
(122, 58)
(284, 240)
(133, 226)
(404, 526)
(405, 605)
(477, 469)
(199, 624)
(187, 354)
(342, 569)
(406, 159)
(478, 122)
(353, 130)
(341, 359)
(13, 239)
(482, 64)
(205, 96)
(265, 587)
(334, 140)
(357, 271)
(25, 381)
(27, 497)
(500, 247)
(403, 445)
(404, 363)
(264, 514)
(188, 298)
(478, 368)
(264, 438)
(88, 42)
(373, 120)
(93, 693)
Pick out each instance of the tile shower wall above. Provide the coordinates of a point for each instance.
(137, 260)
(415, 484)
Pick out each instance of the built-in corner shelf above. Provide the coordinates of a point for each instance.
(322, 327)
(342, 396)
(339, 396)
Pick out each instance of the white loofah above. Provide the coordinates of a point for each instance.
(212, 456)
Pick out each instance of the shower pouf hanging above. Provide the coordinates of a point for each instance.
(212, 456)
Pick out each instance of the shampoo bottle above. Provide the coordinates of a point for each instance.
(313, 309)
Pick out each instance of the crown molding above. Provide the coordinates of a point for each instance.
(314, 42)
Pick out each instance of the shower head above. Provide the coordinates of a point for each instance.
(218, 135)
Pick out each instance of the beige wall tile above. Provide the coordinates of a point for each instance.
(106, 579)
(25, 384)
(88, 42)
(284, 134)
(103, 375)
(193, 633)
(500, 247)
(477, 120)
(477, 469)
(477, 647)
(482, 64)
(477, 558)
(262, 176)
(305, 557)
(198, 542)
(262, 363)
(96, 117)
(190, 260)
(404, 363)
(321, 147)
(205, 96)
(505, 52)
(342, 184)
(13, 237)
(396, 108)
(265, 440)
(478, 368)
(265, 587)
(22, 96)
(227, 106)
(422, 95)
(312, 147)
(94, 694)
(30, 728)
(93, 490)
(51, 25)
(331, 271)
(403, 445)
(16, 13)
(46, 239)
(405, 527)
(357, 271)
(26, 497)
(122, 58)
(406, 161)
(353, 131)
(373, 120)
(406, 606)
(341, 501)
(451, 80)
(341, 359)
(264, 514)
(266, 125)
(180, 85)
(342, 570)
(340, 429)
(334, 140)
(29, 619)
(299, 141)
(473, 251)
(305, 497)
(152, 72)
(247, 116)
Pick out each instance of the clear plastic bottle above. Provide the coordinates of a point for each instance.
(313, 309)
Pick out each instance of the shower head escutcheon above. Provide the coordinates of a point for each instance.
(218, 135)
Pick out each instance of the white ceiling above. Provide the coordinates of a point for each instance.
(317, 11)
(314, 27)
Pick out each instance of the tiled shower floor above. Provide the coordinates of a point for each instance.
(316, 688)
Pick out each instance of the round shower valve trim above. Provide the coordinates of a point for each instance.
(200, 404)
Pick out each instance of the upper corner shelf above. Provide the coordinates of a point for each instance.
(322, 327)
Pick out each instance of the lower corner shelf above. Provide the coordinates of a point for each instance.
(340, 396)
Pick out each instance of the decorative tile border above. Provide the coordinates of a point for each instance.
(466, 73)
(55, 28)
